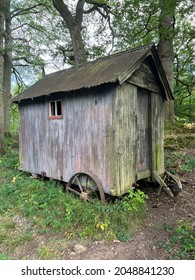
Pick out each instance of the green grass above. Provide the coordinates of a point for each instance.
(179, 161)
(47, 209)
(179, 142)
(181, 242)
(4, 256)
(50, 210)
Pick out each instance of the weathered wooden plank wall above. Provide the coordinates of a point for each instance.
(80, 141)
(143, 136)
(157, 128)
(88, 134)
(125, 123)
(144, 78)
(32, 135)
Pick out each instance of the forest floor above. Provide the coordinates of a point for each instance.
(150, 241)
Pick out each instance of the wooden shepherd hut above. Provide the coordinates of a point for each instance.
(99, 125)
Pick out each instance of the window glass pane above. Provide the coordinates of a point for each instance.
(59, 108)
(52, 109)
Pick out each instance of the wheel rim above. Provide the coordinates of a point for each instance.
(87, 186)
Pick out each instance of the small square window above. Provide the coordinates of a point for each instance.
(55, 109)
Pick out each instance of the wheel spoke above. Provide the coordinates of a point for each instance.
(73, 180)
(79, 183)
(73, 191)
(87, 178)
(87, 187)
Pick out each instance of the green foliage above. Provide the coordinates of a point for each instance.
(4, 256)
(137, 22)
(184, 64)
(181, 243)
(179, 161)
(97, 2)
(186, 110)
(14, 119)
(134, 202)
(179, 135)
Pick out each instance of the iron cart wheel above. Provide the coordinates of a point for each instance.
(86, 186)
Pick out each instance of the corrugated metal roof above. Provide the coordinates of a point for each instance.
(109, 69)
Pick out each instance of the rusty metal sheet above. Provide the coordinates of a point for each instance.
(104, 70)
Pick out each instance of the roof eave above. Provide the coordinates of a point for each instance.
(162, 76)
(125, 76)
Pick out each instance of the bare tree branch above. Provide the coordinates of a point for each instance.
(24, 58)
(18, 77)
(26, 10)
(30, 25)
(90, 10)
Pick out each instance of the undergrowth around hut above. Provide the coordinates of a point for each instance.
(44, 208)
(180, 159)
(179, 147)
(181, 242)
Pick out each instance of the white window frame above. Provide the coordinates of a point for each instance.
(55, 115)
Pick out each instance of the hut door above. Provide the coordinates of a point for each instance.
(143, 161)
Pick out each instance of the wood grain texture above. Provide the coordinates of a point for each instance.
(157, 128)
(80, 141)
(145, 78)
(143, 137)
(125, 123)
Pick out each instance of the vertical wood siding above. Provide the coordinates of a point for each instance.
(80, 141)
(157, 127)
(88, 134)
(32, 135)
(125, 123)
(143, 137)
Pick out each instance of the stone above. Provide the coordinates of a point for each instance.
(79, 249)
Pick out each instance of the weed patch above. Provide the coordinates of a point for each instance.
(44, 252)
(179, 162)
(179, 135)
(179, 126)
(181, 242)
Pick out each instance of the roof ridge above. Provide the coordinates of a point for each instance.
(103, 58)
(108, 69)
(118, 53)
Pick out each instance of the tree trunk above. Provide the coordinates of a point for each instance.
(78, 46)
(74, 25)
(7, 67)
(165, 47)
(1, 77)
